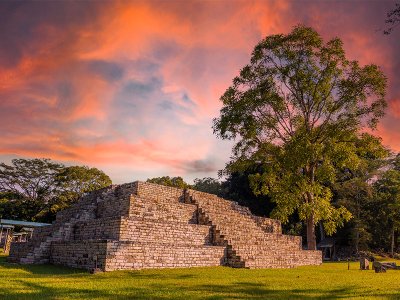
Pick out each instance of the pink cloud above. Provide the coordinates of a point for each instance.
(137, 83)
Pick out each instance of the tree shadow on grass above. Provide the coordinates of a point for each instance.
(241, 290)
(159, 275)
(157, 285)
(249, 290)
(30, 290)
(41, 269)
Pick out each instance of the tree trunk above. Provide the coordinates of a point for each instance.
(321, 231)
(357, 240)
(311, 239)
(392, 245)
(358, 221)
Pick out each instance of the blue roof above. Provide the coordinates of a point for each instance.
(6, 226)
(22, 223)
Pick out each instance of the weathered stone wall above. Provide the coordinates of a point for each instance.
(130, 255)
(79, 254)
(268, 225)
(163, 209)
(37, 250)
(149, 190)
(101, 229)
(117, 202)
(153, 231)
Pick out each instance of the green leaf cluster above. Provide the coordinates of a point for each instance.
(177, 182)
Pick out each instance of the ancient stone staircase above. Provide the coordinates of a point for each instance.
(248, 243)
(37, 250)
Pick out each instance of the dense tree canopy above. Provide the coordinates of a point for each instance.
(208, 185)
(354, 190)
(32, 179)
(177, 182)
(297, 108)
(77, 180)
(36, 189)
(387, 197)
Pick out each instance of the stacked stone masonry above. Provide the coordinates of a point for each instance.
(145, 225)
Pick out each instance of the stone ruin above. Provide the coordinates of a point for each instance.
(144, 225)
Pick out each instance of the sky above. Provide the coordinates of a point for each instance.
(132, 87)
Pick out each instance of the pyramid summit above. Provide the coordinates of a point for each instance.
(145, 225)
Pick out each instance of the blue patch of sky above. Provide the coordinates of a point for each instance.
(187, 99)
(143, 105)
(143, 65)
(166, 105)
(165, 49)
(110, 71)
(134, 93)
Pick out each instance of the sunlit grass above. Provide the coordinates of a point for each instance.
(329, 281)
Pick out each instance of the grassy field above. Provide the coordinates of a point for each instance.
(329, 281)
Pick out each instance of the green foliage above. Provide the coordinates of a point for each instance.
(388, 198)
(208, 185)
(356, 195)
(19, 209)
(237, 188)
(352, 189)
(32, 179)
(297, 109)
(73, 182)
(177, 182)
(36, 189)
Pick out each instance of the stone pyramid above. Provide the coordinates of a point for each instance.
(145, 225)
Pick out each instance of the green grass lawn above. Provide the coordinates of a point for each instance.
(329, 281)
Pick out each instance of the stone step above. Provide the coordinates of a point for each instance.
(249, 245)
(153, 209)
(152, 255)
(284, 260)
(136, 229)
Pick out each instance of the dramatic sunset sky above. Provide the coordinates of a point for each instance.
(131, 87)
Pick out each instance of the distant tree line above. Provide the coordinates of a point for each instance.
(36, 189)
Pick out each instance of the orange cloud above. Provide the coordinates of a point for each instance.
(394, 108)
(137, 83)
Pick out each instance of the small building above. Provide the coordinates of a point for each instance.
(328, 248)
(8, 233)
(23, 236)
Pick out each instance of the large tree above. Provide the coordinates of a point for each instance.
(36, 189)
(78, 180)
(297, 108)
(32, 179)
